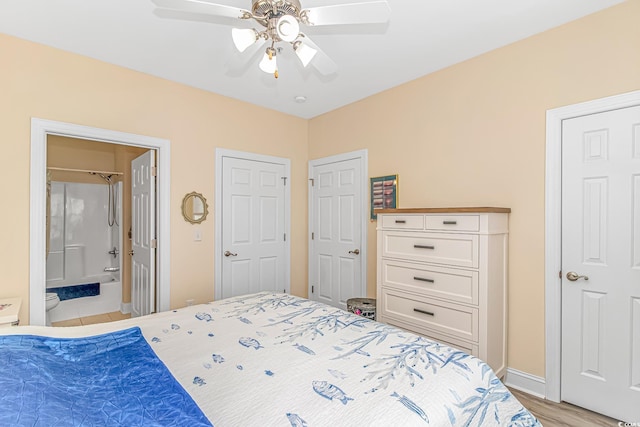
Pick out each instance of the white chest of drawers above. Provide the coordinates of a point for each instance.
(442, 273)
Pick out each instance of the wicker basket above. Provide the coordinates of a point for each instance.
(365, 307)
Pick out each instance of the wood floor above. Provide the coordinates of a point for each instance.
(552, 414)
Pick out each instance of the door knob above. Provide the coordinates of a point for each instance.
(355, 252)
(131, 252)
(227, 253)
(573, 276)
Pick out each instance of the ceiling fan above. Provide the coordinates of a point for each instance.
(282, 20)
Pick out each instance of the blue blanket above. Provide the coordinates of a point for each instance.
(113, 379)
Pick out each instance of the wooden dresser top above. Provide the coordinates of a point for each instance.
(444, 210)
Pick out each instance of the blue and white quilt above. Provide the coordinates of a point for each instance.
(279, 360)
(114, 379)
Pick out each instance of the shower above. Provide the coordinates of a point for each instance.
(113, 195)
(83, 264)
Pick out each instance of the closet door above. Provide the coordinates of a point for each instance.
(336, 246)
(253, 227)
(601, 262)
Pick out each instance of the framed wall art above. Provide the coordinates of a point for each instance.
(384, 193)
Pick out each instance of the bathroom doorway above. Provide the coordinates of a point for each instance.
(41, 131)
(89, 205)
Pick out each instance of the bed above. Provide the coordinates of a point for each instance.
(255, 360)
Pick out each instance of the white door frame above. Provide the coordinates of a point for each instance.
(40, 129)
(553, 229)
(218, 258)
(363, 156)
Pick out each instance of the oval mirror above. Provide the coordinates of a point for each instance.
(194, 208)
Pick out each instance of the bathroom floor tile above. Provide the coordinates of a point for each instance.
(117, 315)
(70, 322)
(90, 320)
(98, 318)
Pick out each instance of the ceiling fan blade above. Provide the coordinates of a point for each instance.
(205, 7)
(320, 60)
(371, 12)
(197, 17)
(239, 62)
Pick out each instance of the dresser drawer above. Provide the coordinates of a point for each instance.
(450, 319)
(450, 249)
(467, 347)
(440, 282)
(453, 222)
(411, 222)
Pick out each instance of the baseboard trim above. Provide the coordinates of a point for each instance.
(525, 382)
(125, 307)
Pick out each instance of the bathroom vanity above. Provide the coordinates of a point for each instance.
(9, 311)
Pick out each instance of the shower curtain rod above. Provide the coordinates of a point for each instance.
(85, 171)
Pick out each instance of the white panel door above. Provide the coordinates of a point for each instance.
(253, 227)
(335, 259)
(601, 245)
(143, 235)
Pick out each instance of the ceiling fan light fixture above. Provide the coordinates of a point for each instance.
(305, 53)
(243, 38)
(287, 28)
(281, 21)
(268, 63)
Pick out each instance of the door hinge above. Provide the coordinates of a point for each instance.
(313, 181)
(560, 274)
(284, 179)
(313, 235)
(312, 291)
(154, 171)
(285, 237)
(154, 243)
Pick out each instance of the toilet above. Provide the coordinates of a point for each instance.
(51, 301)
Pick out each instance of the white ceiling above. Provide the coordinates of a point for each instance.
(421, 37)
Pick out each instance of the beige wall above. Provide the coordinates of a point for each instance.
(71, 153)
(38, 81)
(474, 135)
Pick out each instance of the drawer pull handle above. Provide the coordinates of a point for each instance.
(422, 279)
(449, 222)
(417, 310)
(400, 221)
(423, 247)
